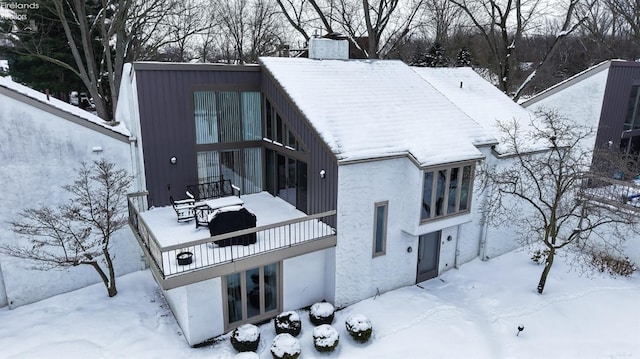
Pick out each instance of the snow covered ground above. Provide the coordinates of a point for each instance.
(472, 312)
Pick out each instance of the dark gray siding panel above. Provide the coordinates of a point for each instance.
(168, 130)
(323, 193)
(616, 98)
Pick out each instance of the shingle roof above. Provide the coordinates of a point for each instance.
(366, 109)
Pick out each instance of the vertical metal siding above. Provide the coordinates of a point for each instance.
(168, 126)
(614, 108)
(323, 193)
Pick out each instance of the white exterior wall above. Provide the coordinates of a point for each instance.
(360, 186)
(306, 279)
(581, 102)
(128, 113)
(40, 152)
(198, 309)
(399, 181)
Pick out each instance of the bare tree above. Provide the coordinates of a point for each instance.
(78, 232)
(629, 12)
(384, 23)
(502, 25)
(443, 15)
(101, 37)
(572, 20)
(252, 28)
(544, 190)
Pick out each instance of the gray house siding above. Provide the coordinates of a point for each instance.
(323, 192)
(616, 99)
(165, 96)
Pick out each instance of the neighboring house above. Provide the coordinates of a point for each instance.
(42, 142)
(360, 175)
(606, 98)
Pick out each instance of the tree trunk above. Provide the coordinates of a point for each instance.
(111, 289)
(109, 282)
(547, 267)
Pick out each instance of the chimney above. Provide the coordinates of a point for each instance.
(328, 49)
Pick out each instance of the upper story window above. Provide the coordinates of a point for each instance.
(380, 228)
(227, 116)
(277, 131)
(632, 121)
(446, 191)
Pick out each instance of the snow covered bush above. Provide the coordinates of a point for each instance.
(288, 322)
(615, 266)
(359, 327)
(321, 313)
(325, 338)
(246, 338)
(285, 346)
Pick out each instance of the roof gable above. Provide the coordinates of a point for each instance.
(370, 109)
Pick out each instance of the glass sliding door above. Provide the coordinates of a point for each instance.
(252, 295)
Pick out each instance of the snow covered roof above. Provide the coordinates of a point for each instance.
(476, 97)
(365, 109)
(48, 103)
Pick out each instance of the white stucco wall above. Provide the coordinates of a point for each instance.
(39, 152)
(305, 279)
(358, 274)
(581, 102)
(198, 309)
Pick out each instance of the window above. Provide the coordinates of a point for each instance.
(227, 116)
(242, 167)
(446, 191)
(251, 295)
(632, 121)
(277, 131)
(380, 228)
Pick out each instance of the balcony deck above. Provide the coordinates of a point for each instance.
(281, 231)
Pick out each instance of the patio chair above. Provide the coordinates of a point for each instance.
(185, 208)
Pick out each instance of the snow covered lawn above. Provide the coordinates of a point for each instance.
(473, 312)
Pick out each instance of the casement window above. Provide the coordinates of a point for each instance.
(446, 191)
(251, 295)
(380, 215)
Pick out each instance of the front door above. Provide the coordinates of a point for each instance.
(428, 254)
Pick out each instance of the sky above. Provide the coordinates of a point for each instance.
(471, 312)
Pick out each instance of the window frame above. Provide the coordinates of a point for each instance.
(385, 221)
(244, 296)
(448, 169)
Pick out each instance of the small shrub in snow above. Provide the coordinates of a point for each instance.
(359, 327)
(288, 322)
(285, 346)
(614, 266)
(246, 338)
(325, 338)
(321, 313)
(540, 256)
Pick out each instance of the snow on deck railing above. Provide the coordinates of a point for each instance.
(613, 192)
(206, 253)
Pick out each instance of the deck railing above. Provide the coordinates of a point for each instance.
(206, 253)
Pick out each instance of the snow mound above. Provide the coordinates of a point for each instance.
(323, 309)
(325, 337)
